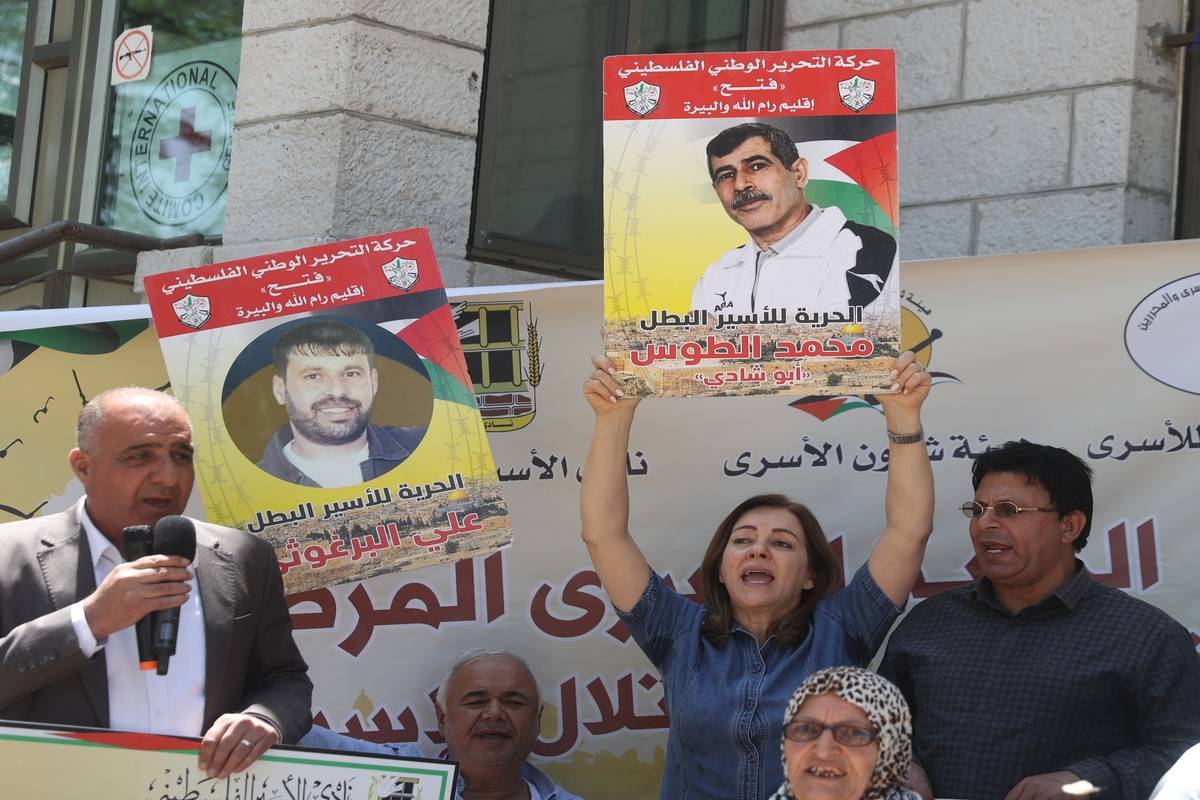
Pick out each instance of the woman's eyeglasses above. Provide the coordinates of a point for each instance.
(1004, 509)
(849, 735)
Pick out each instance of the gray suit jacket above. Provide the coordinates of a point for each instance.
(253, 664)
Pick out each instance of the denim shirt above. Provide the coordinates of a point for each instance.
(325, 739)
(726, 703)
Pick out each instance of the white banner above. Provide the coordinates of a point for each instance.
(1094, 350)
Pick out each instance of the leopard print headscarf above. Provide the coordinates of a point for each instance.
(884, 705)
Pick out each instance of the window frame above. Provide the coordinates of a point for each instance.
(763, 31)
(1187, 206)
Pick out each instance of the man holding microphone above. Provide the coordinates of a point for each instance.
(69, 602)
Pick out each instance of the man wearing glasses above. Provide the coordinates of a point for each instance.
(1036, 675)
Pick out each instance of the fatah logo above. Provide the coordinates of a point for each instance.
(192, 311)
(401, 273)
(857, 92)
(642, 97)
(915, 335)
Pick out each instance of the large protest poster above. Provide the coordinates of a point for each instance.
(332, 407)
(751, 212)
(1110, 376)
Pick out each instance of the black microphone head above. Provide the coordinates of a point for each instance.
(175, 536)
(136, 541)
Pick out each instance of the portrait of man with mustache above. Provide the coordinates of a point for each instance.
(799, 255)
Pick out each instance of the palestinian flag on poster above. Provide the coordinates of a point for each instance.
(857, 176)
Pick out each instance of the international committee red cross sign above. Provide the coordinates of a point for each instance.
(131, 59)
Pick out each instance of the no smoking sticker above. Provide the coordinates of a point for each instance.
(131, 55)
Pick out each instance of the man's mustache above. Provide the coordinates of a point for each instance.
(748, 195)
(327, 402)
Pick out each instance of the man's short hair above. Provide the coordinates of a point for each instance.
(475, 654)
(1063, 474)
(730, 139)
(325, 337)
(92, 416)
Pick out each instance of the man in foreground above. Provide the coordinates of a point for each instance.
(488, 708)
(326, 378)
(799, 255)
(69, 602)
(1037, 676)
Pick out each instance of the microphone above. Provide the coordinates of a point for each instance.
(136, 541)
(173, 536)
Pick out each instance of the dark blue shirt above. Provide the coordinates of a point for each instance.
(387, 447)
(1089, 680)
(726, 702)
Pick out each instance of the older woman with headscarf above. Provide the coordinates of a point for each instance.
(846, 736)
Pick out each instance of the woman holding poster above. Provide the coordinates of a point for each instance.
(770, 616)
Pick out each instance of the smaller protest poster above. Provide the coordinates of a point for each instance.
(751, 217)
(134, 766)
(332, 408)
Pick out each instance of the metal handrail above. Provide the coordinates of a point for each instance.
(66, 230)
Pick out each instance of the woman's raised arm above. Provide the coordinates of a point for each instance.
(896, 558)
(604, 498)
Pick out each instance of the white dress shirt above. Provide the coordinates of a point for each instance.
(143, 700)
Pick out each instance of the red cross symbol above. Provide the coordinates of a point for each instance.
(188, 143)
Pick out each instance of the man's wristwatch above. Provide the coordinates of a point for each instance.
(906, 438)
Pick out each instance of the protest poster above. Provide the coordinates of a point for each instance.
(145, 765)
(332, 407)
(751, 213)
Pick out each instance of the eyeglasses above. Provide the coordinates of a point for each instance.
(1005, 509)
(849, 735)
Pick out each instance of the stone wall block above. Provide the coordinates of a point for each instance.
(1019, 46)
(353, 66)
(258, 15)
(928, 49)
(806, 12)
(941, 231)
(391, 177)
(455, 271)
(235, 252)
(282, 179)
(494, 275)
(1153, 141)
(156, 262)
(294, 71)
(1148, 217)
(1056, 221)
(1103, 117)
(813, 37)
(463, 21)
(1156, 65)
(962, 152)
(406, 77)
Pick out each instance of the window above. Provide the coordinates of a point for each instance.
(169, 137)
(12, 44)
(539, 179)
(150, 157)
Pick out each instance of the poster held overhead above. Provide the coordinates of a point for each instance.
(751, 219)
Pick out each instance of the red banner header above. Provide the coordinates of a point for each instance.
(764, 84)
